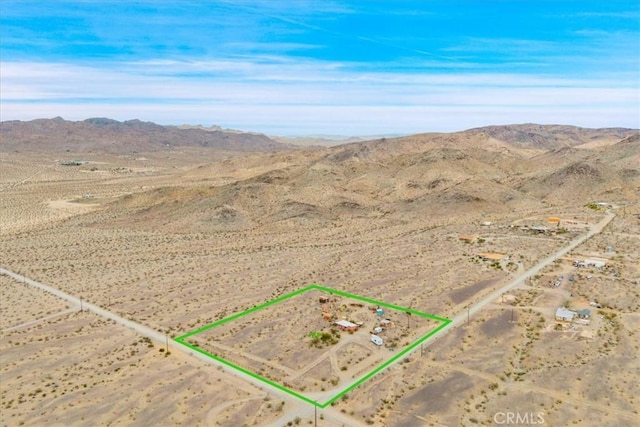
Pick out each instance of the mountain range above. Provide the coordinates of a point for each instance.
(112, 136)
(481, 172)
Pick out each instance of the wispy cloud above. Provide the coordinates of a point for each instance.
(627, 14)
(335, 100)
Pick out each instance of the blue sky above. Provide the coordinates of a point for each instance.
(325, 66)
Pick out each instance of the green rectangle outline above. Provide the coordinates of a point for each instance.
(443, 323)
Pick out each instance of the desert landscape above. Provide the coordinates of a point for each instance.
(174, 228)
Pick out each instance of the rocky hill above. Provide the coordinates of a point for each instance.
(438, 175)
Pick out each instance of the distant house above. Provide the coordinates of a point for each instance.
(345, 325)
(490, 256)
(554, 219)
(468, 238)
(564, 314)
(597, 263)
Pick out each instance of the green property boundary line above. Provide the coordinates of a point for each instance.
(443, 324)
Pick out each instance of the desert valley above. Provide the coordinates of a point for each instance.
(499, 268)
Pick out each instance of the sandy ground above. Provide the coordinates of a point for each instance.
(68, 368)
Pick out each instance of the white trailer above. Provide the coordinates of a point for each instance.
(376, 340)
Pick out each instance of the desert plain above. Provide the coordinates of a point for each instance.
(177, 237)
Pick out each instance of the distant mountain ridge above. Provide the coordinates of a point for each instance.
(104, 134)
(101, 134)
(531, 135)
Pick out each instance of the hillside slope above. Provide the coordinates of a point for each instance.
(399, 180)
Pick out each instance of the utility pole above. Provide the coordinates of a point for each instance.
(468, 308)
(167, 341)
(315, 412)
(81, 304)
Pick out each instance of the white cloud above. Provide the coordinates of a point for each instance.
(344, 120)
(304, 97)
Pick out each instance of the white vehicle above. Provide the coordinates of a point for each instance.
(376, 340)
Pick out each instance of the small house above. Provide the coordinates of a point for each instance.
(564, 314)
(345, 325)
(597, 263)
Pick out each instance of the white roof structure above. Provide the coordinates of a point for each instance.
(565, 314)
(345, 324)
(598, 263)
